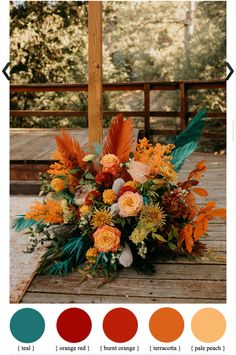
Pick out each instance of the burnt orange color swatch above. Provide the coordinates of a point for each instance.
(166, 325)
(120, 325)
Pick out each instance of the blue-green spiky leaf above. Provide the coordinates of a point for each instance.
(193, 132)
(76, 247)
(20, 223)
(180, 154)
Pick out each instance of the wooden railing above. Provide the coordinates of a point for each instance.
(145, 87)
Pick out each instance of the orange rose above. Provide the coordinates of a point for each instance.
(110, 163)
(130, 204)
(107, 238)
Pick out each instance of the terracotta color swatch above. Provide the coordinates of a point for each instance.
(208, 325)
(166, 324)
(74, 325)
(120, 325)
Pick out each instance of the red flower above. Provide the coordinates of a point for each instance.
(125, 189)
(92, 195)
(104, 179)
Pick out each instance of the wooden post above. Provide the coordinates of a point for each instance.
(147, 110)
(183, 105)
(95, 125)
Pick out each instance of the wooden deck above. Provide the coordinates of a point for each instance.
(180, 281)
(31, 152)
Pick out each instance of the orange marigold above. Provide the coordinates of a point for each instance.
(84, 210)
(109, 197)
(58, 184)
(49, 212)
(91, 255)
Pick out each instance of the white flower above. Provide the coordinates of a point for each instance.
(117, 185)
(126, 257)
(114, 208)
(81, 194)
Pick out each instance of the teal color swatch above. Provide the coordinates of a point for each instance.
(27, 325)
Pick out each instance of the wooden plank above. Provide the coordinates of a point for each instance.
(16, 141)
(154, 85)
(215, 259)
(76, 113)
(25, 187)
(95, 72)
(44, 113)
(147, 111)
(167, 272)
(38, 144)
(41, 297)
(206, 85)
(183, 105)
(27, 172)
(138, 288)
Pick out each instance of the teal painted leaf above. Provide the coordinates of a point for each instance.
(180, 154)
(20, 223)
(193, 132)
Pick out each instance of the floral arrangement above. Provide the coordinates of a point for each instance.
(120, 205)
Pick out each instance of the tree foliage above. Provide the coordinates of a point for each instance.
(142, 41)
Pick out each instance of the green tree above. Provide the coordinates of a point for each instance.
(142, 41)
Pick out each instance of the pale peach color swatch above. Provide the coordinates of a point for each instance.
(208, 325)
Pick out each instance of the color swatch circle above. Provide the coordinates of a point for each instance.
(74, 325)
(27, 325)
(208, 325)
(166, 324)
(120, 325)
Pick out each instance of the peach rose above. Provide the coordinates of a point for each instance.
(130, 204)
(110, 163)
(139, 171)
(107, 238)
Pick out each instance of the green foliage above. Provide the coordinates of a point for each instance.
(166, 41)
(20, 223)
(63, 255)
(181, 154)
(193, 132)
(186, 142)
(75, 247)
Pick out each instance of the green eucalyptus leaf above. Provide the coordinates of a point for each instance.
(159, 237)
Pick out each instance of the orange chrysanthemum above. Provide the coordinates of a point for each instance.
(109, 197)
